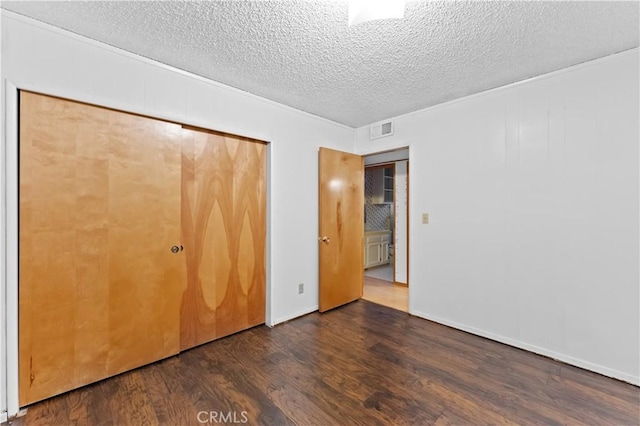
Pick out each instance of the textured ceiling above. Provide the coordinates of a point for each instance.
(303, 54)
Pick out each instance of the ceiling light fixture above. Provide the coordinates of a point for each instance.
(368, 10)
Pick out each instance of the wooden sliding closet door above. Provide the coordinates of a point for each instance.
(99, 211)
(224, 232)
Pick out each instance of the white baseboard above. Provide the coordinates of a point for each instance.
(605, 371)
(293, 316)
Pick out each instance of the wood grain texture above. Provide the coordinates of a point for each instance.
(341, 218)
(361, 364)
(386, 293)
(224, 232)
(99, 209)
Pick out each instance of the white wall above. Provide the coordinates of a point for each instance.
(532, 191)
(46, 59)
(3, 338)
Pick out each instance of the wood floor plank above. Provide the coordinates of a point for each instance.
(78, 406)
(468, 415)
(167, 392)
(386, 293)
(361, 364)
(600, 383)
(271, 377)
(572, 397)
(377, 386)
(98, 407)
(326, 385)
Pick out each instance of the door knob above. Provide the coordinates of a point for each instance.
(324, 239)
(175, 249)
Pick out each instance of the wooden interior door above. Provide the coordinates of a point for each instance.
(224, 233)
(99, 287)
(341, 227)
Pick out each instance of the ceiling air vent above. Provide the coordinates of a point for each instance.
(381, 130)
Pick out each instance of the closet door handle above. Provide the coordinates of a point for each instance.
(175, 249)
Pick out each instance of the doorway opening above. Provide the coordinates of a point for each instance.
(386, 229)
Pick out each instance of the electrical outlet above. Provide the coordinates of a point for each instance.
(425, 217)
(300, 288)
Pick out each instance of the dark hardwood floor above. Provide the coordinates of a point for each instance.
(362, 364)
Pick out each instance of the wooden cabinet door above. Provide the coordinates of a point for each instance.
(377, 177)
(384, 253)
(99, 211)
(373, 253)
(224, 234)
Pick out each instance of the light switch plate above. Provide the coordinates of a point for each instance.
(425, 217)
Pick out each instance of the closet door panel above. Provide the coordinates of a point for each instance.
(244, 305)
(223, 213)
(99, 287)
(207, 185)
(144, 217)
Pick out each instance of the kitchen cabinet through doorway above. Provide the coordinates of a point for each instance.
(376, 248)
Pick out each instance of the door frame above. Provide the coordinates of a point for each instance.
(385, 165)
(410, 189)
(9, 221)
